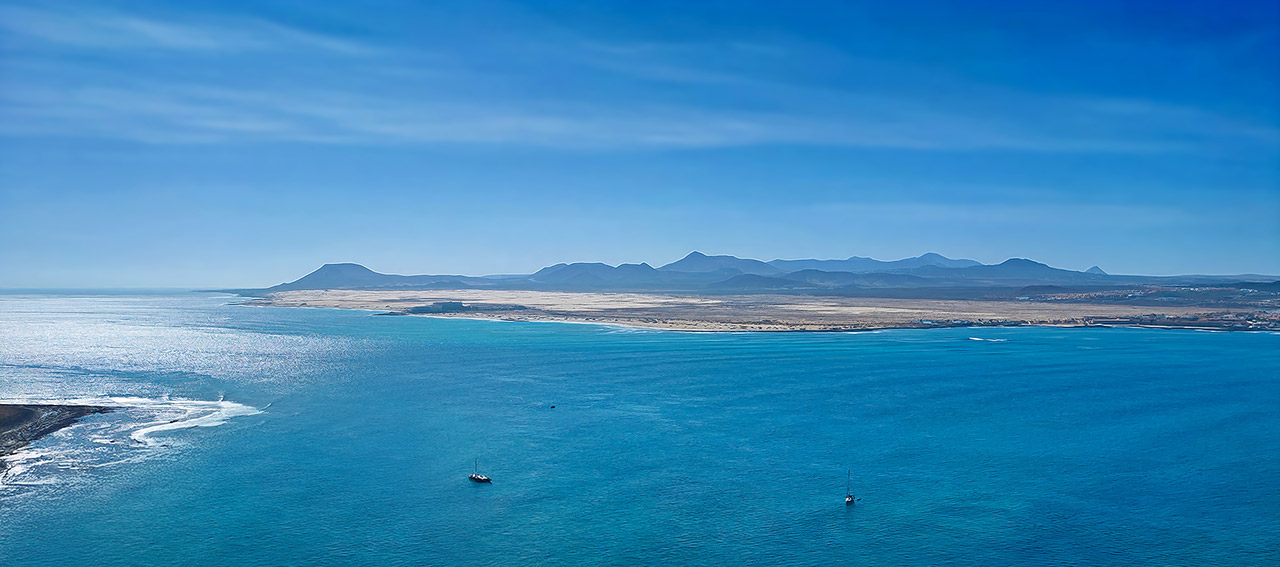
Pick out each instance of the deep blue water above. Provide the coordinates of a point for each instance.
(1047, 447)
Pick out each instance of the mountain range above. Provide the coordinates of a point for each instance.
(702, 273)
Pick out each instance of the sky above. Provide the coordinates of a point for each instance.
(226, 144)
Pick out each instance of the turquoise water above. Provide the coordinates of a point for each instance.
(345, 439)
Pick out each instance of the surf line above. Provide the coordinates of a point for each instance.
(195, 413)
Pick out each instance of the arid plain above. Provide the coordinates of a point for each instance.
(764, 312)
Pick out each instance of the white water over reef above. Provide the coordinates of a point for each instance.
(124, 434)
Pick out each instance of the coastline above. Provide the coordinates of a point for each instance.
(21, 424)
(766, 313)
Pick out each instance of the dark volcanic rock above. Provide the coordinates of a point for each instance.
(22, 424)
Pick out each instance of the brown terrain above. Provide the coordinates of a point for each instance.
(769, 312)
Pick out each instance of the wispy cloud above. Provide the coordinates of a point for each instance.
(88, 28)
(209, 115)
(187, 114)
(152, 112)
(616, 94)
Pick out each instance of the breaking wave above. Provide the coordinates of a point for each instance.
(134, 429)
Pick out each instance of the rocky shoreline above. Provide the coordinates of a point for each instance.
(20, 424)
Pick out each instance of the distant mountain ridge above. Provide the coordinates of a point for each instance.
(593, 272)
(859, 264)
(1011, 269)
(355, 276)
(699, 262)
(698, 272)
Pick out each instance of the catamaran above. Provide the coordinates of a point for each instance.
(476, 476)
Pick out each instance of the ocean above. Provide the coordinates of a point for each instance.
(274, 436)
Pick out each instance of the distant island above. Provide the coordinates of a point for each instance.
(704, 292)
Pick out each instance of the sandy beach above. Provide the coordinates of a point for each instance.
(766, 312)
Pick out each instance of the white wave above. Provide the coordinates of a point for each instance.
(108, 440)
(205, 414)
(625, 330)
(17, 464)
(988, 340)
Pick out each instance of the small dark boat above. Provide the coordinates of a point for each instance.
(476, 476)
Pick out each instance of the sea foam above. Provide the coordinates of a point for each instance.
(111, 438)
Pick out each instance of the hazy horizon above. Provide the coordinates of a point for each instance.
(225, 144)
(286, 279)
(287, 282)
(659, 264)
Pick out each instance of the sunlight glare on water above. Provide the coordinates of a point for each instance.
(266, 436)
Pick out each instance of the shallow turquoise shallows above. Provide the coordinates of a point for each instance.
(345, 438)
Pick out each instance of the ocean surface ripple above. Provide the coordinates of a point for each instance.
(269, 436)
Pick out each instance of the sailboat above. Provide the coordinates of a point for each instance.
(476, 476)
(848, 490)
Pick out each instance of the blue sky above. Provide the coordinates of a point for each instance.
(238, 144)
